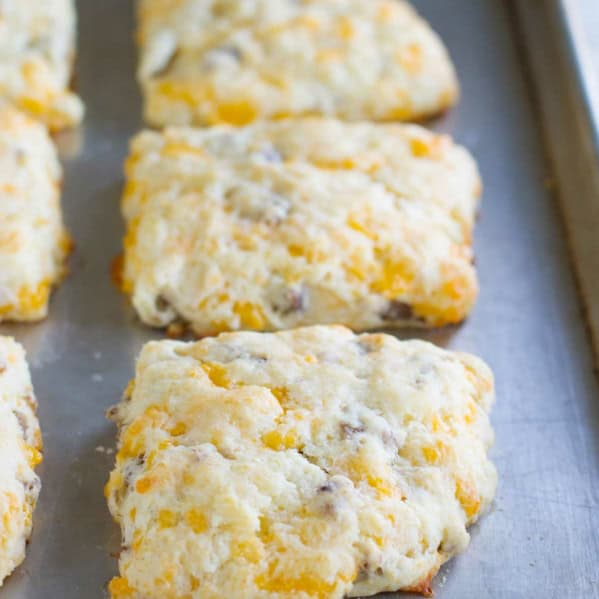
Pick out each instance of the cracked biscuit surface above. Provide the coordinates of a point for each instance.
(293, 223)
(20, 446)
(37, 40)
(235, 61)
(312, 463)
(33, 240)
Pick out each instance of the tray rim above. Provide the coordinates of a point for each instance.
(558, 57)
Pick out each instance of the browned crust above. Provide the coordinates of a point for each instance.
(425, 586)
(116, 272)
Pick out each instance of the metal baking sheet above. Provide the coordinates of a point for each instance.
(559, 48)
(542, 537)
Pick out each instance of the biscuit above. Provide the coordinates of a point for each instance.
(33, 241)
(36, 54)
(294, 223)
(208, 62)
(311, 463)
(20, 452)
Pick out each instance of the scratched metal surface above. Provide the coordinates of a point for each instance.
(542, 537)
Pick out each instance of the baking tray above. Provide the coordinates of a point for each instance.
(541, 538)
(560, 49)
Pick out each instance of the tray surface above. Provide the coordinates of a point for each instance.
(542, 537)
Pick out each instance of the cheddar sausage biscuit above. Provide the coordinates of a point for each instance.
(234, 61)
(33, 242)
(36, 54)
(312, 463)
(299, 222)
(20, 446)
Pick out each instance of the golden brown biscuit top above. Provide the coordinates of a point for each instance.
(307, 463)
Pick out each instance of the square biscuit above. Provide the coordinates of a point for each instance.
(20, 452)
(206, 62)
(37, 40)
(33, 241)
(294, 223)
(303, 464)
